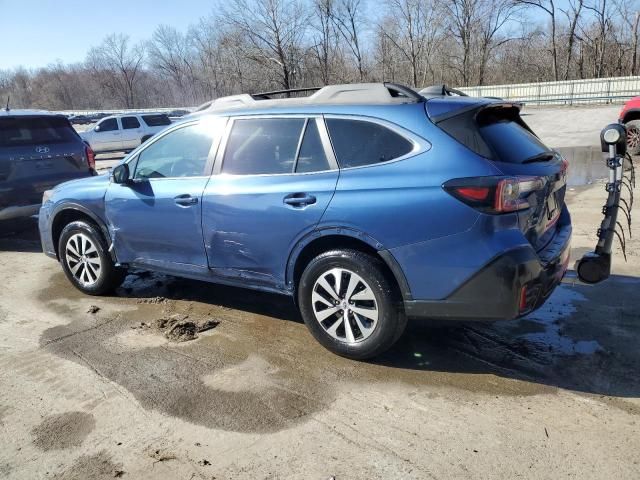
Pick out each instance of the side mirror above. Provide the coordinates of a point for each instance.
(97, 128)
(120, 174)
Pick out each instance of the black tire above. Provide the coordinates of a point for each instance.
(145, 138)
(391, 320)
(107, 278)
(633, 137)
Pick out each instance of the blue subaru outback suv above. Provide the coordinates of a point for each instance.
(367, 203)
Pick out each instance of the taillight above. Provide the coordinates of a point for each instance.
(91, 157)
(495, 194)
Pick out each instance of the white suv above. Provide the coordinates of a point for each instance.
(124, 132)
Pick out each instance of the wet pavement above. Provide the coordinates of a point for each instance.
(554, 394)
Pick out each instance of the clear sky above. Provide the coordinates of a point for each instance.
(34, 33)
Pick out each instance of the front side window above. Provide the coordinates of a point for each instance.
(130, 122)
(108, 125)
(359, 142)
(262, 146)
(181, 153)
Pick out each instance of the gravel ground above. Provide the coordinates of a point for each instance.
(95, 388)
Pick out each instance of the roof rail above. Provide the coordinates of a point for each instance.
(354, 93)
(441, 91)
(267, 95)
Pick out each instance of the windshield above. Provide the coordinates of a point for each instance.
(27, 130)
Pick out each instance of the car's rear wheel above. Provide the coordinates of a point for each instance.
(86, 261)
(633, 137)
(349, 304)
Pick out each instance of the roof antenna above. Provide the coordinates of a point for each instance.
(7, 107)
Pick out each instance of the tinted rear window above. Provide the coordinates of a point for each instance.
(495, 133)
(21, 131)
(156, 120)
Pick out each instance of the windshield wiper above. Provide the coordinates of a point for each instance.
(541, 157)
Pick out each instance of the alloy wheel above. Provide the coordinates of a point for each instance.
(83, 259)
(344, 305)
(633, 137)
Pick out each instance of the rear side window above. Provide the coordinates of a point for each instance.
(497, 134)
(262, 146)
(156, 120)
(359, 142)
(28, 130)
(130, 122)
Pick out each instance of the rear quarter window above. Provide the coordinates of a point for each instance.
(28, 130)
(156, 120)
(359, 142)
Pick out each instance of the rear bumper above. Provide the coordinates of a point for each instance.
(9, 213)
(496, 291)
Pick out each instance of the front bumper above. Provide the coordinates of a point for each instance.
(496, 291)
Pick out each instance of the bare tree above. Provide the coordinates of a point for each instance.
(413, 28)
(324, 38)
(116, 64)
(347, 16)
(601, 11)
(170, 52)
(572, 12)
(274, 30)
(548, 7)
(493, 16)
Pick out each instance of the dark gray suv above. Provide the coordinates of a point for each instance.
(38, 150)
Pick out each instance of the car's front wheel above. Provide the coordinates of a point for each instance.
(86, 261)
(349, 304)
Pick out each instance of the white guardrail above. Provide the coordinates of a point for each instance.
(570, 92)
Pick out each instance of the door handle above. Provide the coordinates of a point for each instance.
(185, 200)
(299, 199)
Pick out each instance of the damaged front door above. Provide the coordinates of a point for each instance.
(156, 216)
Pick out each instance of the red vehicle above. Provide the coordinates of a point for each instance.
(630, 117)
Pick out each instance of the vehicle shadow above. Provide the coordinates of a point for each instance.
(145, 284)
(583, 339)
(20, 235)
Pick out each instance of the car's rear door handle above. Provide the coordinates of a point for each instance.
(185, 200)
(299, 199)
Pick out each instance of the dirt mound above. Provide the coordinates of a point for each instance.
(180, 328)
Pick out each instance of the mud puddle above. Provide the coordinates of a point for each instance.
(259, 370)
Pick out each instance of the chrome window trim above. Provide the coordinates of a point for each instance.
(420, 145)
(217, 169)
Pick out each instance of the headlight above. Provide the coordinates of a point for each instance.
(46, 196)
(611, 135)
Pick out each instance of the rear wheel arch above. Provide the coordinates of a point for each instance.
(633, 114)
(72, 214)
(324, 241)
